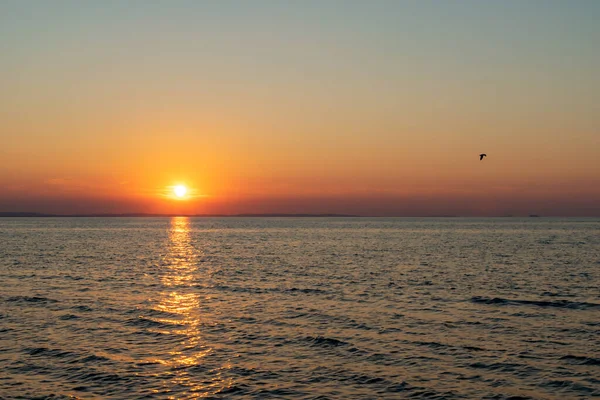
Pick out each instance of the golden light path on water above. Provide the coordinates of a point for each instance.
(181, 300)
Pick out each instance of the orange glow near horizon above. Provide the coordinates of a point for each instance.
(99, 120)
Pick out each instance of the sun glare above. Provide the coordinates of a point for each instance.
(180, 191)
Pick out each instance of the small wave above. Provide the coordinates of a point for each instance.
(325, 341)
(234, 389)
(93, 359)
(151, 333)
(255, 373)
(415, 361)
(567, 385)
(103, 378)
(261, 290)
(581, 360)
(366, 379)
(438, 345)
(397, 387)
(31, 299)
(307, 290)
(280, 393)
(574, 305)
(434, 345)
(147, 322)
(144, 322)
(67, 317)
(82, 308)
(430, 394)
(74, 278)
(45, 351)
(505, 367)
(153, 312)
(473, 348)
(554, 294)
(238, 289)
(74, 357)
(29, 369)
(546, 341)
(359, 379)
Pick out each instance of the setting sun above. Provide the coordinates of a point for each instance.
(180, 191)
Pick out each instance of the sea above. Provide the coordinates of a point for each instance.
(299, 308)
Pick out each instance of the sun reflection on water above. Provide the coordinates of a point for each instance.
(179, 306)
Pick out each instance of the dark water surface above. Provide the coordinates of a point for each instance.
(299, 308)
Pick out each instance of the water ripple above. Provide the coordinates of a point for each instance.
(300, 309)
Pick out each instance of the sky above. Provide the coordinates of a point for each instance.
(358, 107)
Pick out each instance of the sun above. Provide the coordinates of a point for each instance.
(180, 191)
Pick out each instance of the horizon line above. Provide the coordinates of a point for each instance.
(27, 214)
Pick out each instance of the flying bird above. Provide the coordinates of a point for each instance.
(481, 156)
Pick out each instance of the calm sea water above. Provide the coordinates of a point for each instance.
(299, 308)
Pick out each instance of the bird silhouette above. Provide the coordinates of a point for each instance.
(481, 156)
